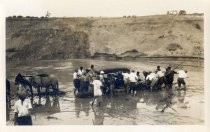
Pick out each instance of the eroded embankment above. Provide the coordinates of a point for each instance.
(63, 38)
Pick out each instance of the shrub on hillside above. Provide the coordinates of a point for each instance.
(182, 12)
(11, 50)
(197, 50)
(174, 47)
(197, 26)
(9, 17)
(19, 16)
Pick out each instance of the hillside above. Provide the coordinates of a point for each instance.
(146, 36)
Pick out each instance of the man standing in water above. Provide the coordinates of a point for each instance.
(133, 80)
(158, 69)
(76, 79)
(22, 109)
(169, 77)
(181, 76)
(161, 79)
(126, 80)
(80, 71)
(97, 88)
(92, 70)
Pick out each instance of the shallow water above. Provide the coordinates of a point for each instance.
(183, 107)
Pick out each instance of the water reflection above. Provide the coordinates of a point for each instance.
(181, 99)
(98, 116)
(145, 108)
(82, 105)
(51, 105)
(127, 106)
(161, 99)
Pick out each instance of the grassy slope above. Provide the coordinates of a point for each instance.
(82, 37)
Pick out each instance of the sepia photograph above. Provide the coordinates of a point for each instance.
(97, 62)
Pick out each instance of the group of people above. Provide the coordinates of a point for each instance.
(158, 78)
(102, 84)
(83, 79)
(129, 80)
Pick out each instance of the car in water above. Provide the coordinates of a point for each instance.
(112, 80)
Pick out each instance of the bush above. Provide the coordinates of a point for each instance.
(182, 12)
(19, 16)
(11, 50)
(197, 26)
(174, 47)
(134, 50)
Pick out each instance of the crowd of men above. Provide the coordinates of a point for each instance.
(129, 80)
(104, 84)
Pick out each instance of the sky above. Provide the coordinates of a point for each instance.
(77, 8)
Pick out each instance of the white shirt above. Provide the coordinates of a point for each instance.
(22, 109)
(133, 77)
(151, 76)
(141, 77)
(97, 87)
(125, 76)
(182, 74)
(80, 72)
(160, 74)
(75, 75)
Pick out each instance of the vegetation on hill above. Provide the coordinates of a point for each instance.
(63, 38)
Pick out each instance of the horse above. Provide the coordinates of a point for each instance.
(24, 84)
(38, 81)
(45, 80)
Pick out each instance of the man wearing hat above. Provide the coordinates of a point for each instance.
(101, 76)
(22, 109)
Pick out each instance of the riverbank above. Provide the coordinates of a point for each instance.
(133, 37)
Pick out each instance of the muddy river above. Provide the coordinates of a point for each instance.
(123, 109)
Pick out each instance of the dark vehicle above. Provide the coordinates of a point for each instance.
(112, 79)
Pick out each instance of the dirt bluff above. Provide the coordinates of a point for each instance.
(63, 38)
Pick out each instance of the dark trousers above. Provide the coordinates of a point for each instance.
(169, 82)
(76, 83)
(133, 86)
(160, 82)
(24, 120)
(181, 81)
